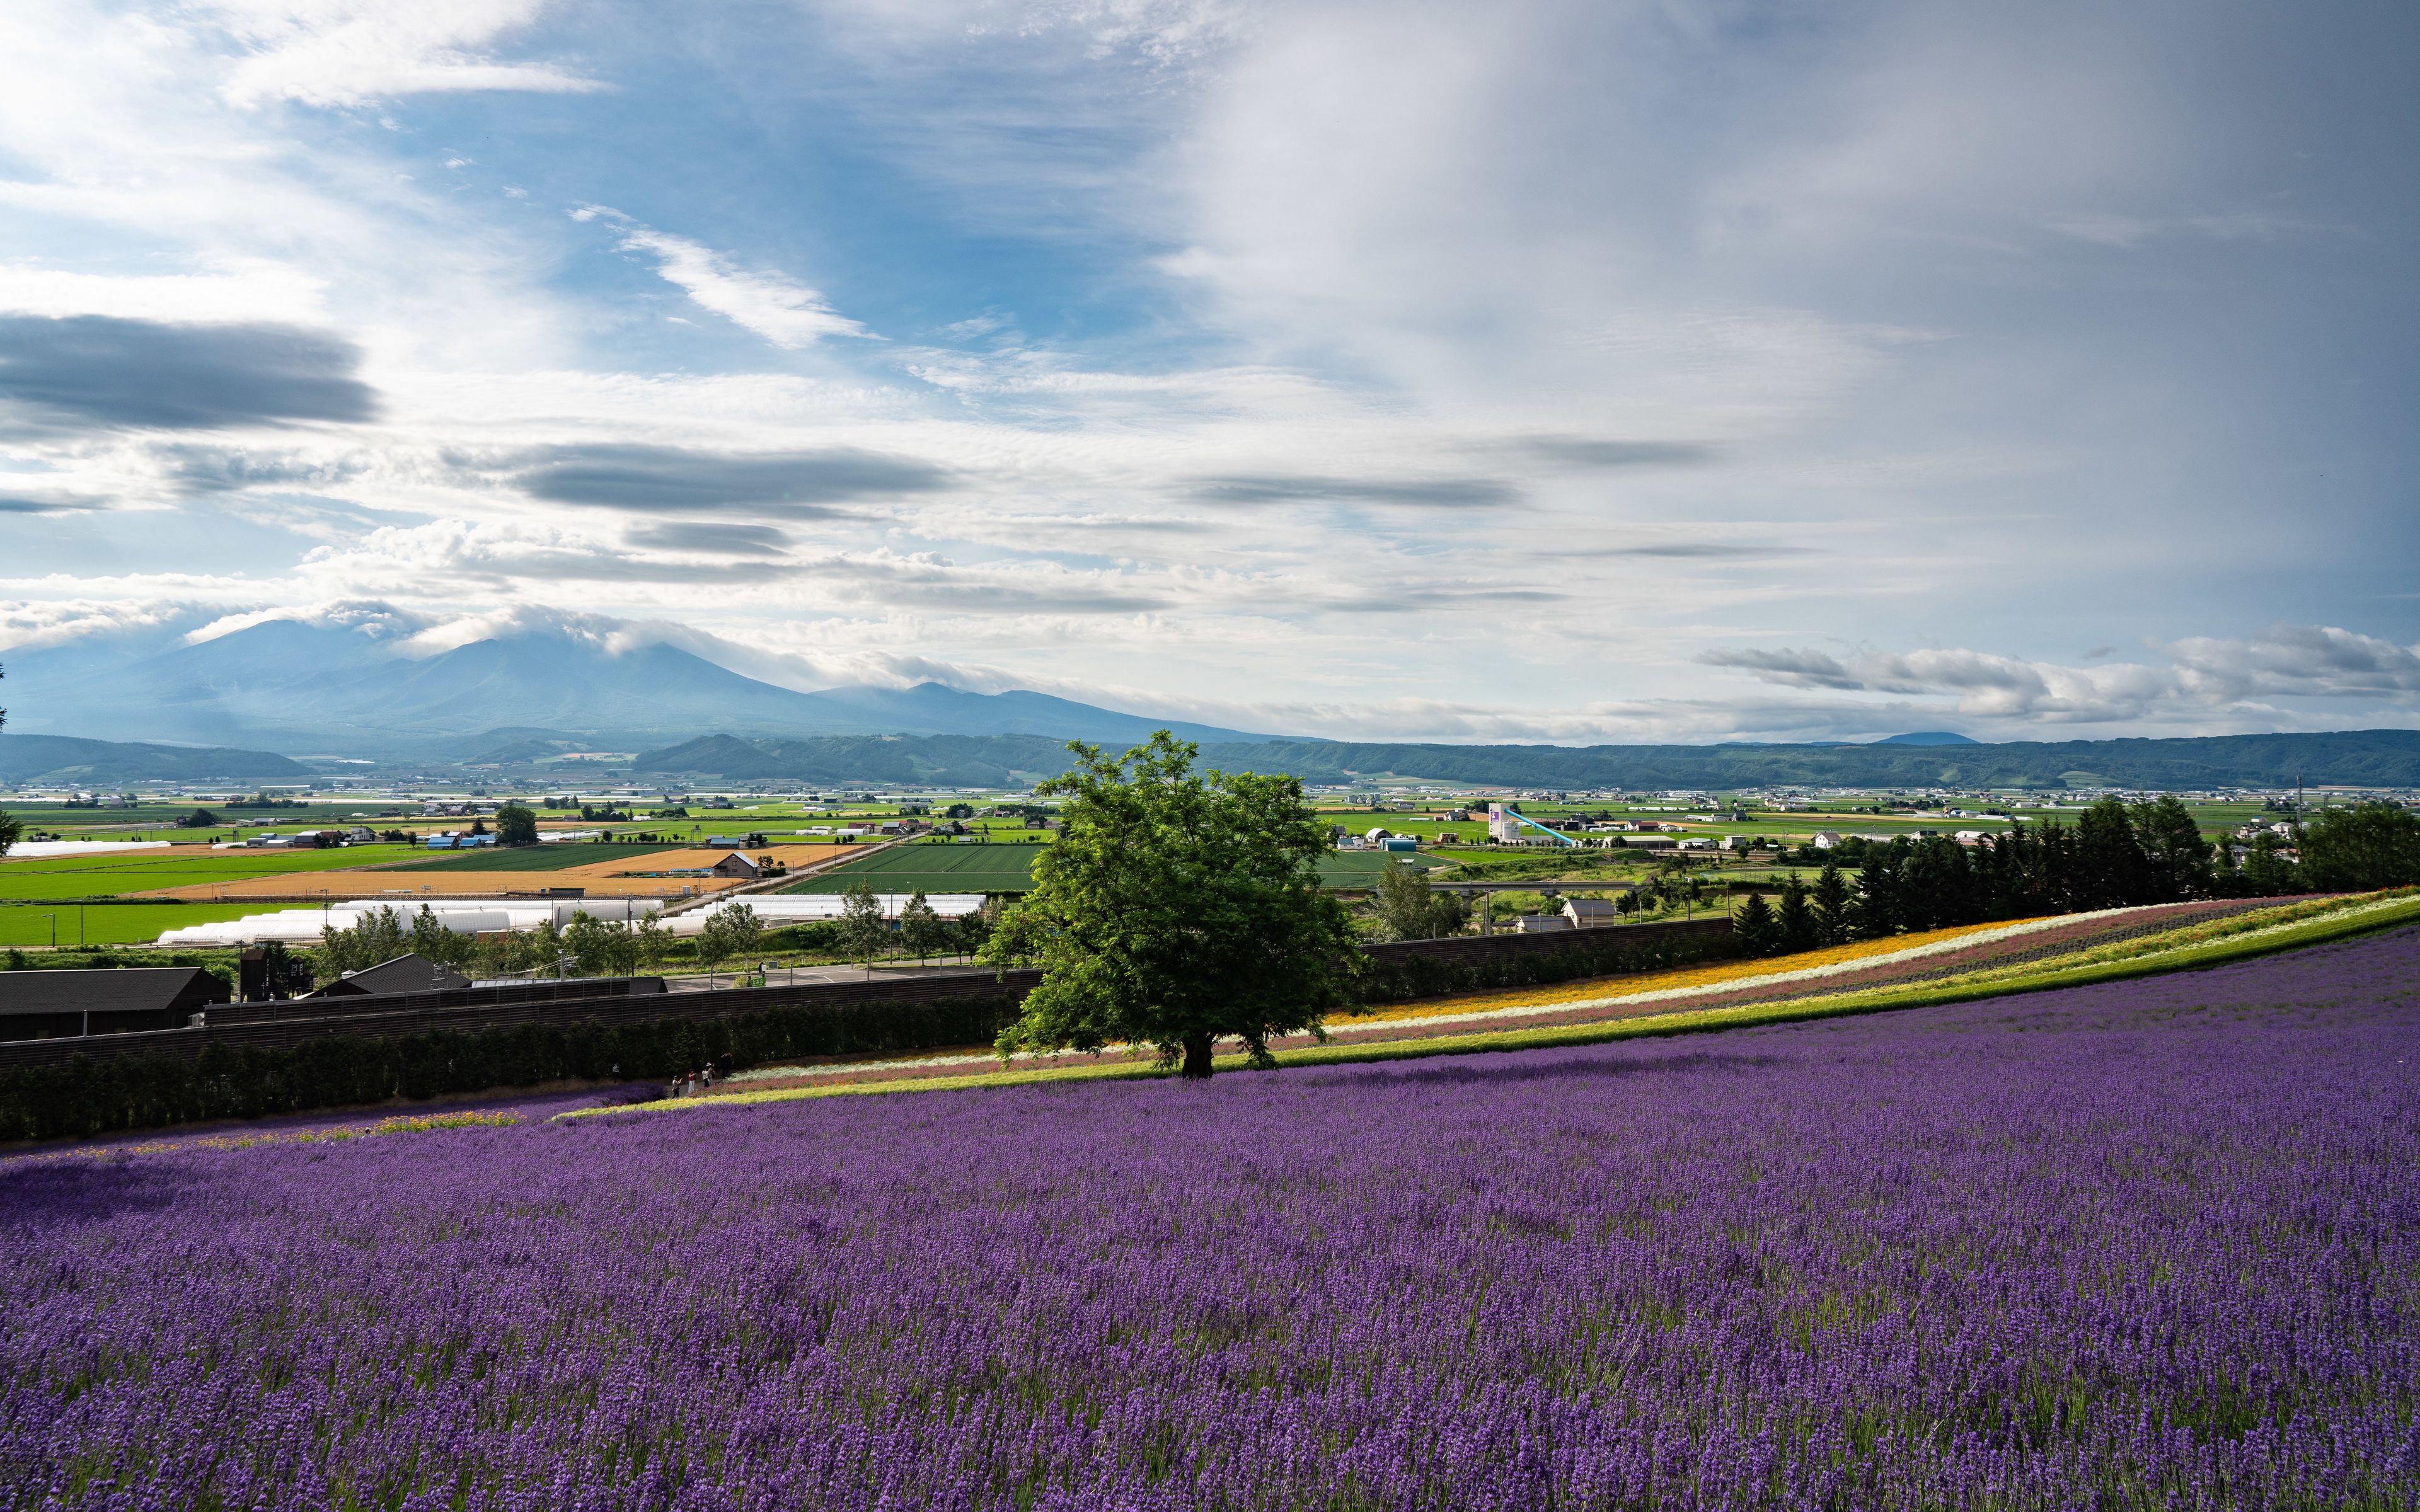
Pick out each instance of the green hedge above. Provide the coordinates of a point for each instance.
(1593, 953)
(86, 1096)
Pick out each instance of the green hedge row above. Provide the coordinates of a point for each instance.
(85, 1096)
(1592, 953)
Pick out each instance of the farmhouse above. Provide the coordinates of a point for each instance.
(47, 1005)
(1589, 913)
(736, 865)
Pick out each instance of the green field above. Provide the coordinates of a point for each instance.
(30, 925)
(932, 868)
(530, 858)
(125, 871)
(1008, 869)
(1360, 869)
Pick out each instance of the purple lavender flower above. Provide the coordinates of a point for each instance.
(2151, 1243)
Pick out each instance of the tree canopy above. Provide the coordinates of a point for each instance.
(516, 825)
(1177, 909)
(1412, 910)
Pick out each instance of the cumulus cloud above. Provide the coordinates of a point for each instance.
(773, 305)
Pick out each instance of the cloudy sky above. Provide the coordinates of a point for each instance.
(1573, 371)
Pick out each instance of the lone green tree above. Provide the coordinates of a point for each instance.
(516, 825)
(921, 930)
(862, 931)
(1177, 909)
(1412, 910)
(650, 941)
(731, 931)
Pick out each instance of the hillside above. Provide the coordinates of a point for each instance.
(63, 759)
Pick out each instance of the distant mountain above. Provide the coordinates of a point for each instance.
(65, 761)
(928, 761)
(2382, 758)
(332, 688)
(1930, 737)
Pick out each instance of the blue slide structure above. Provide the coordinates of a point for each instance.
(1516, 813)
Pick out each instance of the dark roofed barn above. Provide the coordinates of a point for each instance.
(49, 1004)
(406, 973)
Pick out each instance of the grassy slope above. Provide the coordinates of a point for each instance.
(2335, 924)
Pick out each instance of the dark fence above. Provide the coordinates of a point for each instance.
(542, 990)
(54, 1087)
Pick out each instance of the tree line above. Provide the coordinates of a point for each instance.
(2116, 854)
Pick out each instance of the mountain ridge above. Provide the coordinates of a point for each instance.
(307, 686)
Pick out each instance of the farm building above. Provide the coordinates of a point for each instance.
(48, 1005)
(736, 865)
(406, 973)
(1589, 913)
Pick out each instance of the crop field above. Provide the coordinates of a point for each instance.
(999, 867)
(2145, 1243)
(121, 873)
(1360, 869)
(532, 857)
(25, 925)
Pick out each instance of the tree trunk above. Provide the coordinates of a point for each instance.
(1197, 1057)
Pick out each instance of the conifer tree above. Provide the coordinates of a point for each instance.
(1797, 920)
(1758, 932)
(1832, 925)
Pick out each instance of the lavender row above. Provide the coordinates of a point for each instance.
(2155, 1242)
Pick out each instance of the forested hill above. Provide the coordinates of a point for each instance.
(65, 759)
(2361, 758)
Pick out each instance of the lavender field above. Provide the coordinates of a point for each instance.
(2155, 1243)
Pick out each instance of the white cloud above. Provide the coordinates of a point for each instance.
(245, 289)
(349, 51)
(778, 308)
(2204, 676)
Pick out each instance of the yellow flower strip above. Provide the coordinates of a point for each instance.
(1718, 971)
(401, 1123)
(2343, 918)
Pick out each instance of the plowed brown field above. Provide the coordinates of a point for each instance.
(602, 879)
